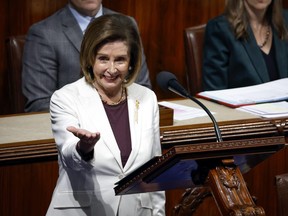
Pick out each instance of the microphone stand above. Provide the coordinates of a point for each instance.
(216, 127)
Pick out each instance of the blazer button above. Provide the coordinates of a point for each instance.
(121, 176)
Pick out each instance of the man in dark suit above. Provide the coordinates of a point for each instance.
(51, 52)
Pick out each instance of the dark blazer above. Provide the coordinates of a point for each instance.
(230, 63)
(51, 58)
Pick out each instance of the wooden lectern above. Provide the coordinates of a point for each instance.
(208, 168)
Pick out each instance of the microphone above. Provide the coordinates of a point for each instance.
(168, 81)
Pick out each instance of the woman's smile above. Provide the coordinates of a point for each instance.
(110, 68)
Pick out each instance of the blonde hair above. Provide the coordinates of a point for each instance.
(110, 28)
(238, 18)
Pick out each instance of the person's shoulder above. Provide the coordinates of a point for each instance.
(219, 25)
(141, 92)
(51, 21)
(74, 89)
(109, 11)
(141, 88)
(71, 94)
(220, 20)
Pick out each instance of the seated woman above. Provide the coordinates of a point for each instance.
(247, 45)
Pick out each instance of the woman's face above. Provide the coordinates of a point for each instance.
(257, 5)
(111, 67)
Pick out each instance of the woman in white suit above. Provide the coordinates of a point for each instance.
(105, 126)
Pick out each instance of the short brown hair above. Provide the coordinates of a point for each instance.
(111, 28)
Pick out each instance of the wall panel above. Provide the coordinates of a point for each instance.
(161, 24)
(3, 69)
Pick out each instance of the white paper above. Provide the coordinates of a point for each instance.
(182, 112)
(267, 92)
(267, 110)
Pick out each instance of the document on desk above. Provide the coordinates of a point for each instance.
(267, 110)
(182, 112)
(267, 92)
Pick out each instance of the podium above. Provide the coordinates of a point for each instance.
(27, 149)
(208, 168)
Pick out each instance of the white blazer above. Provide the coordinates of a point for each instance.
(87, 188)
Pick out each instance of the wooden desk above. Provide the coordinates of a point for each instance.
(29, 169)
(233, 124)
(26, 137)
(25, 128)
(28, 164)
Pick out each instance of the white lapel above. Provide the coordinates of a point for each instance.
(135, 120)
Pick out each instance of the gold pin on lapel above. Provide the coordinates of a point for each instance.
(136, 111)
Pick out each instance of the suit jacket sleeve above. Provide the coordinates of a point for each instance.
(39, 74)
(216, 57)
(63, 114)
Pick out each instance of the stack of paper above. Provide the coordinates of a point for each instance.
(267, 110)
(263, 93)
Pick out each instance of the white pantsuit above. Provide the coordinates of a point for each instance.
(87, 188)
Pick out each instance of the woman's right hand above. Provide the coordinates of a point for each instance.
(87, 139)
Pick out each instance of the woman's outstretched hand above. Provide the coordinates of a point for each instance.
(87, 139)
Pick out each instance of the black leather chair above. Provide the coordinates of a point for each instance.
(194, 41)
(15, 45)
